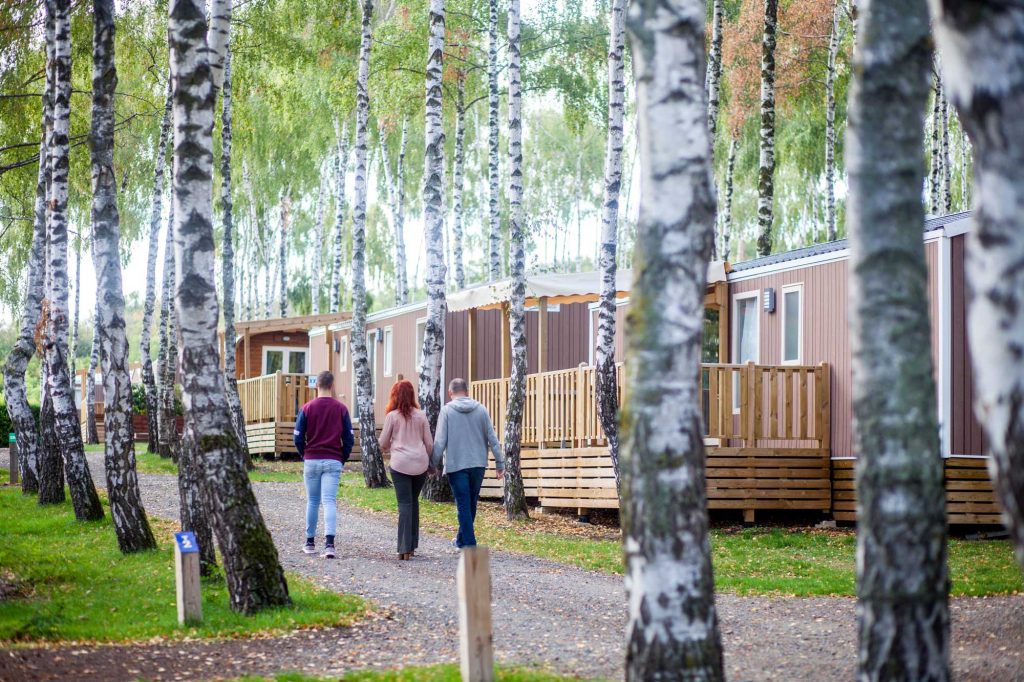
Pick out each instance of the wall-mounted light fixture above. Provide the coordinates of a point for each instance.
(380, 335)
(769, 300)
(337, 345)
(286, 338)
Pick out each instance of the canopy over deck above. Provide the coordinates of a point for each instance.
(574, 287)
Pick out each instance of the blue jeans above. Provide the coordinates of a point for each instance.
(322, 477)
(465, 485)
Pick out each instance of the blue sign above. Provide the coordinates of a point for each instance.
(186, 542)
(11, 438)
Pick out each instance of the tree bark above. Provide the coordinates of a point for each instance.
(514, 495)
(73, 346)
(432, 352)
(282, 252)
(714, 69)
(830, 123)
(155, 217)
(228, 266)
(935, 173)
(391, 185)
(672, 631)
(92, 435)
(26, 429)
(126, 510)
(401, 267)
(766, 166)
(727, 209)
(458, 182)
(374, 474)
(340, 168)
(51, 473)
(494, 234)
(255, 579)
(606, 384)
(982, 44)
(191, 512)
(947, 162)
(902, 581)
(318, 240)
(67, 432)
(167, 358)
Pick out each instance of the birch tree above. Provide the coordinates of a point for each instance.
(255, 579)
(167, 357)
(149, 306)
(766, 164)
(318, 241)
(902, 580)
(981, 44)
(73, 346)
(494, 234)
(374, 474)
(714, 69)
(935, 173)
(606, 383)
(401, 267)
(458, 181)
(92, 435)
(228, 264)
(830, 122)
(126, 510)
(730, 169)
(432, 352)
(66, 430)
(282, 252)
(23, 421)
(514, 495)
(340, 168)
(672, 631)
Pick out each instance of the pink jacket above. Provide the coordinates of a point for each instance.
(408, 440)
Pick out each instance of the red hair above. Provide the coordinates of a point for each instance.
(403, 399)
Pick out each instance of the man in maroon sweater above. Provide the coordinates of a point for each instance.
(323, 436)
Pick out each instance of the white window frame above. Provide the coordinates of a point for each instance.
(389, 350)
(734, 345)
(418, 349)
(286, 351)
(343, 354)
(790, 288)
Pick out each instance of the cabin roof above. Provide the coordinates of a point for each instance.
(301, 323)
(930, 225)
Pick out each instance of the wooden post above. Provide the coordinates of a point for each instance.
(542, 334)
(279, 397)
(506, 343)
(12, 445)
(722, 293)
(471, 346)
(245, 346)
(476, 646)
(186, 575)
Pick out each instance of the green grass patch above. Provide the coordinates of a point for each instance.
(437, 673)
(70, 582)
(265, 471)
(747, 561)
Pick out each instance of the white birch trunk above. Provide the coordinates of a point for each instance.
(982, 44)
(514, 494)
(282, 253)
(126, 510)
(167, 357)
(730, 169)
(340, 168)
(902, 581)
(401, 263)
(374, 474)
(255, 579)
(458, 182)
(714, 69)
(73, 345)
(149, 306)
(606, 384)
(830, 124)
(494, 224)
(934, 179)
(947, 165)
(672, 631)
(318, 240)
(766, 163)
(66, 430)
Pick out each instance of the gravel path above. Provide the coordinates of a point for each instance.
(545, 613)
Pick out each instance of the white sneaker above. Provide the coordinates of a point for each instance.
(309, 548)
(328, 552)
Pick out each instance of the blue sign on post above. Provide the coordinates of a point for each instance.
(186, 542)
(11, 438)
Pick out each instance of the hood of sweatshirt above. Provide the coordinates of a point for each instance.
(464, 404)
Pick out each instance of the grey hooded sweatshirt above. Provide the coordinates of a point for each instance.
(464, 429)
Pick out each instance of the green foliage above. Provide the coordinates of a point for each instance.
(74, 584)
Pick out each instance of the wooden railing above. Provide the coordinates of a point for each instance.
(743, 406)
(274, 397)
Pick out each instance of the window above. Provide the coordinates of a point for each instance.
(343, 354)
(745, 343)
(389, 343)
(792, 324)
(288, 360)
(421, 333)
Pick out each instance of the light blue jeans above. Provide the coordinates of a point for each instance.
(322, 476)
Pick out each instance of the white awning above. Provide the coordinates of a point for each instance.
(557, 288)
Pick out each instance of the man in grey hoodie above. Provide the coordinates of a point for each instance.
(465, 431)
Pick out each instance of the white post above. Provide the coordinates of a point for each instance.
(12, 451)
(186, 573)
(476, 649)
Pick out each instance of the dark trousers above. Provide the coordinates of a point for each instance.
(465, 485)
(407, 490)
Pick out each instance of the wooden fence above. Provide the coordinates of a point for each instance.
(748, 406)
(271, 404)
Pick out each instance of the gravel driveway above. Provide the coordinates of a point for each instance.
(545, 613)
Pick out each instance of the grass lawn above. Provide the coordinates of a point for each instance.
(439, 673)
(760, 560)
(66, 580)
(272, 472)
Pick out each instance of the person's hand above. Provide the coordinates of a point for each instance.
(499, 474)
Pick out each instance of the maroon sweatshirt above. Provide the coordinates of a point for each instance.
(323, 430)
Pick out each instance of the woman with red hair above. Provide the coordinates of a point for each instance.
(406, 436)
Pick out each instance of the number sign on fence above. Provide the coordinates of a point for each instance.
(186, 572)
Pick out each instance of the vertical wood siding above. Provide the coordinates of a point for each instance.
(967, 437)
(257, 342)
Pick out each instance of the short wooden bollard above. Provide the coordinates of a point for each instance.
(476, 646)
(186, 575)
(12, 445)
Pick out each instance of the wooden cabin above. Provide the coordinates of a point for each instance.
(776, 378)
